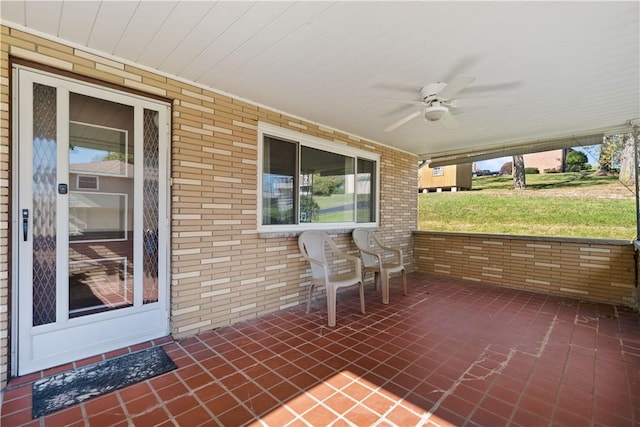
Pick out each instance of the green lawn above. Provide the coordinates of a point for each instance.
(337, 202)
(567, 205)
(569, 180)
(333, 205)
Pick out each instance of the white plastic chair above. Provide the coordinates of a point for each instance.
(313, 246)
(374, 258)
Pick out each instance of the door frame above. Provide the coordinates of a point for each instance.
(18, 302)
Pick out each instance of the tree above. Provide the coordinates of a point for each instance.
(576, 161)
(506, 169)
(627, 169)
(610, 154)
(112, 155)
(519, 177)
(326, 185)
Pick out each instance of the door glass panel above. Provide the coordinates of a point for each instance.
(151, 200)
(101, 205)
(44, 204)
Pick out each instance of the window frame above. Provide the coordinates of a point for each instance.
(266, 129)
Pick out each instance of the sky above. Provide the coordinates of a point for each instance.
(493, 164)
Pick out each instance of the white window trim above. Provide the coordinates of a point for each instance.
(322, 144)
(126, 150)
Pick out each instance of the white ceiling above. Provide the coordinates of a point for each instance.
(568, 68)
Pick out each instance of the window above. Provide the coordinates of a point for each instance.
(438, 171)
(87, 182)
(307, 182)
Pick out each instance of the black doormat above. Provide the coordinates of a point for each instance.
(68, 388)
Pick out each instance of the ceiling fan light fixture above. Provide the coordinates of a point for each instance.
(434, 113)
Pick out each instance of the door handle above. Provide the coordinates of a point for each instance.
(25, 224)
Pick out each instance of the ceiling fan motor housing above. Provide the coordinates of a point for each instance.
(430, 91)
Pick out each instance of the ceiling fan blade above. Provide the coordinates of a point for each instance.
(515, 84)
(396, 87)
(448, 121)
(454, 86)
(403, 101)
(463, 64)
(403, 121)
(479, 102)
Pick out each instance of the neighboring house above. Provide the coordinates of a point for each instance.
(451, 177)
(554, 160)
(169, 210)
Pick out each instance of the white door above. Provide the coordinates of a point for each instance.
(91, 219)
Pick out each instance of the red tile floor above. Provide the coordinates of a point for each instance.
(449, 353)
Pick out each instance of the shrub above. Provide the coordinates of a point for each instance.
(530, 171)
(309, 209)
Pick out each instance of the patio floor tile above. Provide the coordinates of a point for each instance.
(451, 353)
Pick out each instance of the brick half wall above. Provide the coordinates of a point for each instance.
(594, 270)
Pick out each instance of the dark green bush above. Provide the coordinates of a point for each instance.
(576, 158)
(530, 171)
(309, 209)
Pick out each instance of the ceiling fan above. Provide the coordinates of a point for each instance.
(438, 99)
